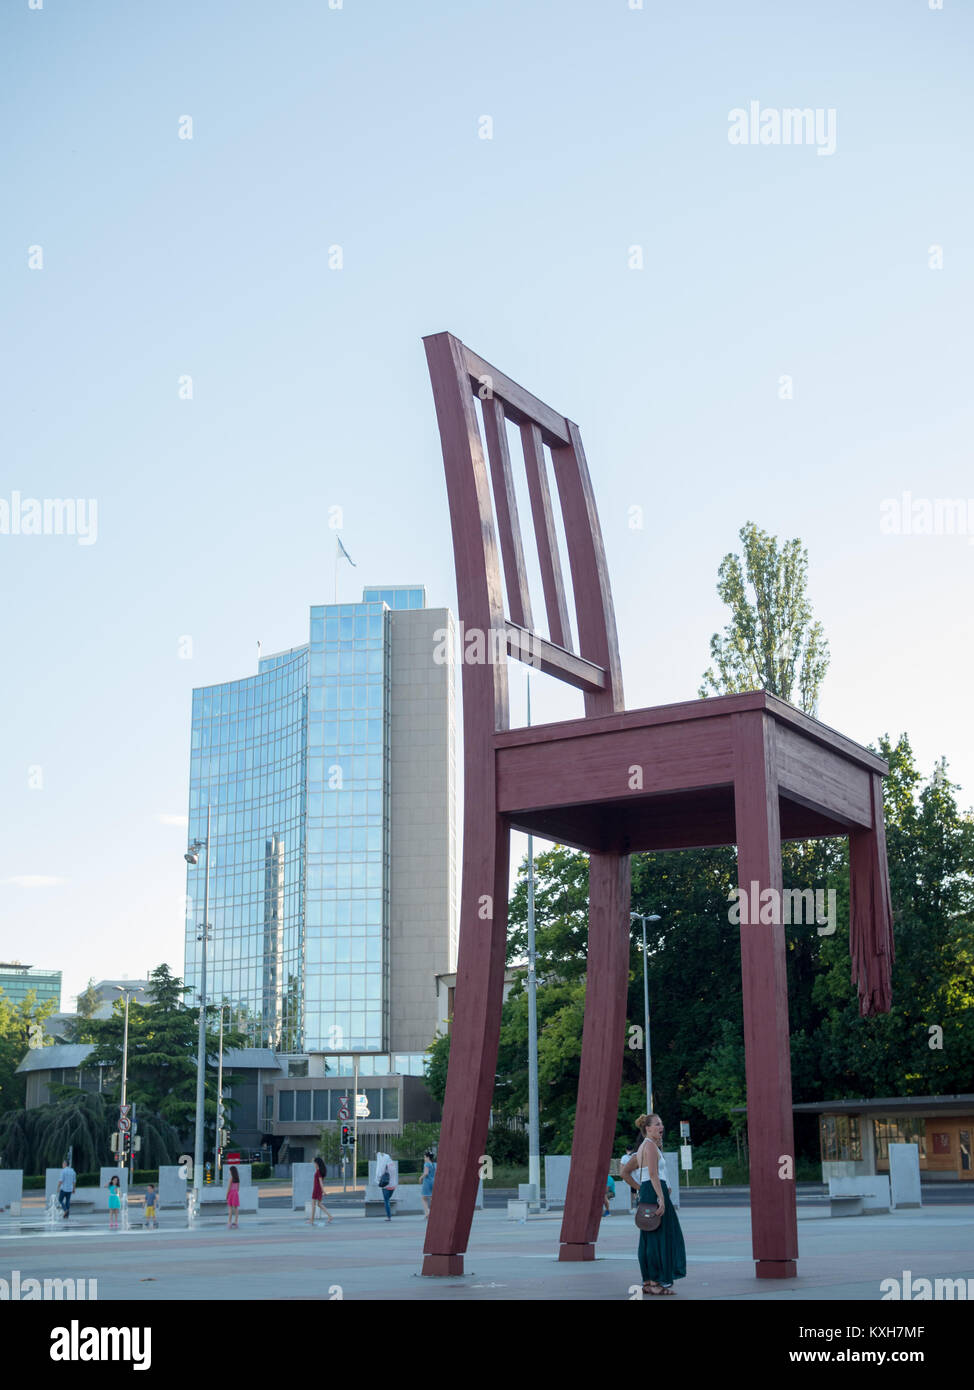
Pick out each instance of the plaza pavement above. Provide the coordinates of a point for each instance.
(277, 1255)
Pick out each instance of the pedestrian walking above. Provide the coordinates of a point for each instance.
(318, 1190)
(114, 1202)
(67, 1182)
(610, 1192)
(150, 1206)
(426, 1186)
(661, 1252)
(383, 1176)
(233, 1199)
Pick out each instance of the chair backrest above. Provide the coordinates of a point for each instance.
(484, 506)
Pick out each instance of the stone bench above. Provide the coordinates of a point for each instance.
(845, 1204)
(863, 1196)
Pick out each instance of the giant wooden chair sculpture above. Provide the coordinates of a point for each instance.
(745, 769)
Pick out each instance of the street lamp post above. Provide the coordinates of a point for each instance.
(644, 918)
(534, 1127)
(192, 857)
(218, 1146)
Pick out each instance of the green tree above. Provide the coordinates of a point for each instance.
(772, 642)
(930, 845)
(20, 1032)
(329, 1144)
(88, 1000)
(18, 1135)
(718, 1090)
(417, 1136)
(437, 1060)
(162, 1044)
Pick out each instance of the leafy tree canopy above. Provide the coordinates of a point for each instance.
(771, 642)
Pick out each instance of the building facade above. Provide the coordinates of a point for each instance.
(330, 777)
(17, 981)
(855, 1135)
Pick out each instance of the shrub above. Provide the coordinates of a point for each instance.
(507, 1146)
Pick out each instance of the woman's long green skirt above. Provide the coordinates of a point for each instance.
(662, 1254)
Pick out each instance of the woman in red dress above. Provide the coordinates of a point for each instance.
(318, 1191)
(233, 1199)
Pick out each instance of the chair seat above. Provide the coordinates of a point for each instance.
(663, 777)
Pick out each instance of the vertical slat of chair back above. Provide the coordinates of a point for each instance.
(458, 376)
(485, 691)
(594, 610)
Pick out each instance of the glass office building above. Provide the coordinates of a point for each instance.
(17, 981)
(318, 941)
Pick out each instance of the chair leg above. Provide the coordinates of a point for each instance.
(870, 912)
(603, 1040)
(767, 1046)
(474, 1039)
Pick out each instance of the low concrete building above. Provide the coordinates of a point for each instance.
(296, 1109)
(855, 1135)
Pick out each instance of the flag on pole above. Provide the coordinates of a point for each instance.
(345, 552)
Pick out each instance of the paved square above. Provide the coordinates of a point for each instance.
(279, 1256)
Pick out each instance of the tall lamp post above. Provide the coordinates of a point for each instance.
(220, 1113)
(127, 995)
(644, 918)
(534, 1127)
(192, 857)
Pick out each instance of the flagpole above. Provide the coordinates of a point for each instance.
(339, 552)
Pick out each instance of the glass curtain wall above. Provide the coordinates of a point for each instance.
(347, 889)
(248, 764)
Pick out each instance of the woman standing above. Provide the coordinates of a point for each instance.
(429, 1173)
(662, 1254)
(318, 1191)
(233, 1199)
(114, 1202)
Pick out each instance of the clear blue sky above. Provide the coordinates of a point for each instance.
(359, 127)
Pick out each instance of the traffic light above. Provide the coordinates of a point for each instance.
(346, 1136)
(114, 1143)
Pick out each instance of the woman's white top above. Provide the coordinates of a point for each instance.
(642, 1174)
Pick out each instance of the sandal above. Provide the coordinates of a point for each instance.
(652, 1287)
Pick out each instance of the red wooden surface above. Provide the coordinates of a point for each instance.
(870, 911)
(603, 1043)
(527, 646)
(745, 769)
(484, 884)
(767, 1047)
(594, 612)
(601, 767)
